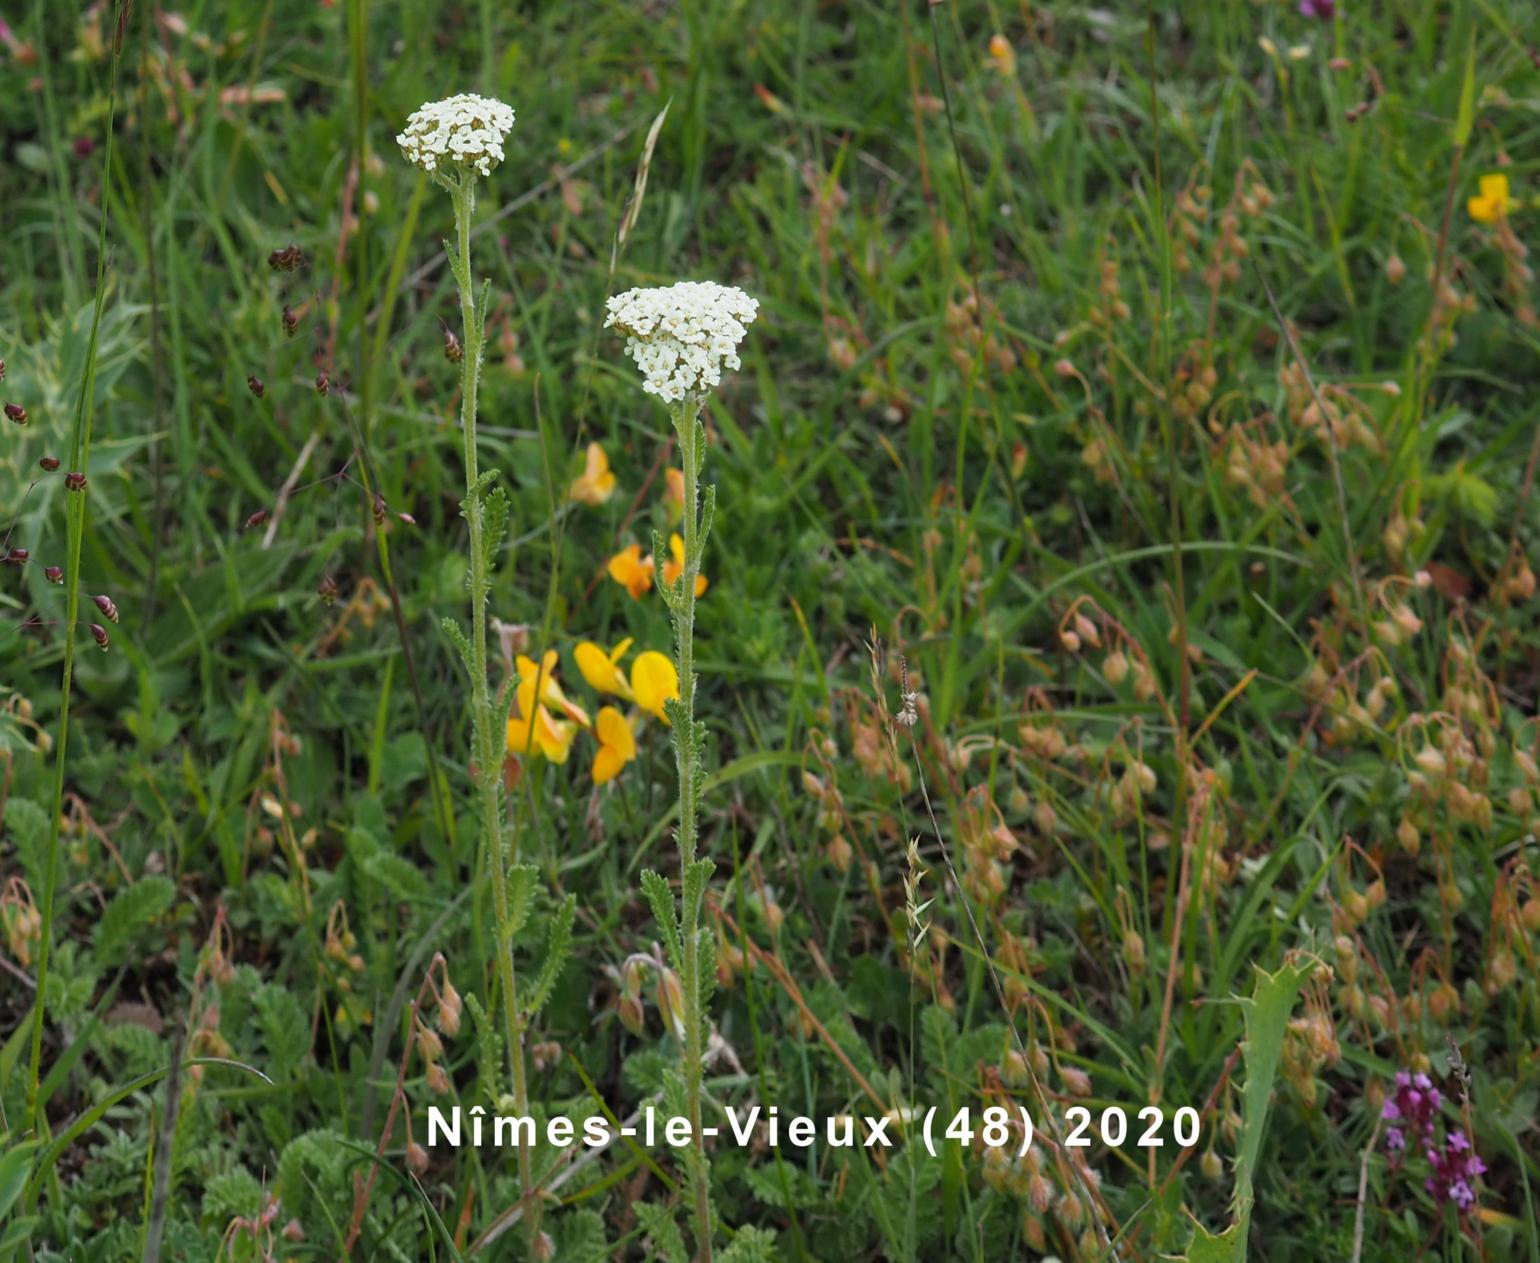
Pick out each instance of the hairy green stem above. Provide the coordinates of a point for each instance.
(687, 426)
(488, 744)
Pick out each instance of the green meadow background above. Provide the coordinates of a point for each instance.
(1143, 399)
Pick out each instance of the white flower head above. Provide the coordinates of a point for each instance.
(465, 130)
(682, 336)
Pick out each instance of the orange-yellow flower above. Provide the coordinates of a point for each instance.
(673, 493)
(1493, 203)
(1002, 55)
(653, 682)
(632, 571)
(617, 745)
(550, 691)
(596, 483)
(602, 670)
(533, 729)
(674, 567)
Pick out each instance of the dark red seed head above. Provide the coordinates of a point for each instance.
(54, 574)
(17, 556)
(256, 519)
(322, 384)
(75, 481)
(49, 463)
(99, 634)
(16, 413)
(108, 609)
(254, 384)
(290, 320)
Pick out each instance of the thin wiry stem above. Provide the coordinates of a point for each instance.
(75, 517)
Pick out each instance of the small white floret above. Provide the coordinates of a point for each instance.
(682, 336)
(465, 130)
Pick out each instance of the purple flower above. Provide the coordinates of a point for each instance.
(1325, 10)
(1395, 1140)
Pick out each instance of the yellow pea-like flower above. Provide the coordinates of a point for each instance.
(631, 570)
(596, 483)
(673, 493)
(653, 682)
(1493, 203)
(602, 670)
(617, 745)
(674, 567)
(534, 732)
(550, 691)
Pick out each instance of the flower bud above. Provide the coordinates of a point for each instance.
(108, 609)
(437, 1080)
(75, 481)
(416, 1157)
(429, 1044)
(256, 519)
(99, 634)
(17, 556)
(671, 1002)
(453, 351)
(54, 574)
(1395, 269)
(48, 464)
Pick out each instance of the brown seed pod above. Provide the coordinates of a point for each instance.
(16, 413)
(108, 609)
(256, 386)
(75, 481)
(48, 463)
(99, 634)
(290, 321)
(322, 384)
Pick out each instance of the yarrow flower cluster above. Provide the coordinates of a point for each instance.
(465, 130)
(682, 336)
(1413, 1112)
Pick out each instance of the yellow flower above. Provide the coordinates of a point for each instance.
(632, 571)
(533, 731)
(602, 670)
(673, 568)
(653, 682)
(596, 483)
(1002, 55)
(673, 493)
(1493, 203)
(617, 746)
(550, 691)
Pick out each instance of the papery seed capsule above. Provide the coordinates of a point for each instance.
(256, 386)
(17, 556)
(16, 413)
(75, 481)
(256, 519)
(48, 463)
(54, 574)
(99, 634)
(104, 603)
(322, 384)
